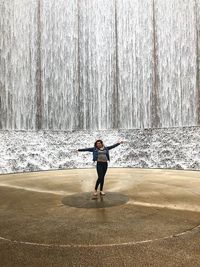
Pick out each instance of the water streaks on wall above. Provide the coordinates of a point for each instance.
(87, 64)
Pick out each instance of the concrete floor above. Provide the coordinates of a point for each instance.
(147, 218)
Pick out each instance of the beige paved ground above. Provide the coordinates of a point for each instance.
(147, 218)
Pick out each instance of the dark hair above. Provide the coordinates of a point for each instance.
(98, 141)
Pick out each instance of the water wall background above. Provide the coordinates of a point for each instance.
(72, 71)
(99, 64)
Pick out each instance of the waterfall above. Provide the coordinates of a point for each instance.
(88, 64)
(176, 52)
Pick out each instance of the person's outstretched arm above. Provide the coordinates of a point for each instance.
(113, 146)
(89, 149)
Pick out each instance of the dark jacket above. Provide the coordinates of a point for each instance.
(94, 150)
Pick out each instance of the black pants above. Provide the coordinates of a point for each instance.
(101, 171)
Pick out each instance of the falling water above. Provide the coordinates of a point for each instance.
(88, 64)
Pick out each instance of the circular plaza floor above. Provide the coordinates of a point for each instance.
(146, 216)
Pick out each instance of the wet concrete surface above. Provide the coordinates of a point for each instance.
(88, 200)
(146, 218)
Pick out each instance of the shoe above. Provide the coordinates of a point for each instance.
(102, 193)
(95, 194)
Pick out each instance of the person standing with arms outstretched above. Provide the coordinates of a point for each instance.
(101, 156)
